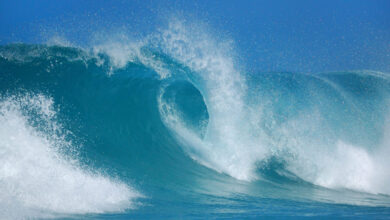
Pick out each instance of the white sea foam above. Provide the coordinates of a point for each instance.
(122, 50)
(346, 166)
(323, 161)
(36, 180)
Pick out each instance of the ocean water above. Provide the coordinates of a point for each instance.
(171, 126)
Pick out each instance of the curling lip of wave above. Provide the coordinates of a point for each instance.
(229, 145)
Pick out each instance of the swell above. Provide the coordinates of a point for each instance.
(142, 117)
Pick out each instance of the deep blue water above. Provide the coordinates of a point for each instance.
(248, 113)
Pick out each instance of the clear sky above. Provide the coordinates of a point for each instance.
(282, 35)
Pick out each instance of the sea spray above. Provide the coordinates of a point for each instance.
(35, 178)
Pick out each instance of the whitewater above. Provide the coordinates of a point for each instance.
(174, 126)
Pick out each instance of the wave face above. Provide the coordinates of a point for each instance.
(174, 125)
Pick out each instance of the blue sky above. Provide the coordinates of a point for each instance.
(305, 36)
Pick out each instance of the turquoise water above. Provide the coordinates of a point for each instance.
(173, 127)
